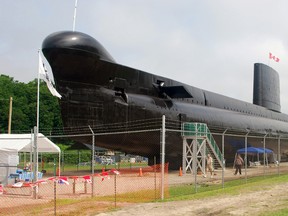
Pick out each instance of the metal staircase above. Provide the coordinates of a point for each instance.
(197, 143)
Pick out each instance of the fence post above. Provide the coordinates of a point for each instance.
(223, 160)
(278, 155)
(55, 201)
(155, 176)
(79, 160)
(92, 159)
(63, 161)
(115, 188)
(264, 153)
(162, 156)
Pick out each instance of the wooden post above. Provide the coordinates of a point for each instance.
(10, 116)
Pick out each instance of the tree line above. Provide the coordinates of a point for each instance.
(24, 107)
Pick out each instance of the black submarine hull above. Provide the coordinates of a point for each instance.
(98, 92)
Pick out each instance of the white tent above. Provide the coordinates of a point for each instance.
(12, 144)
(24, 142)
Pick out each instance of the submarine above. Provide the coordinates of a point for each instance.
(99, 93)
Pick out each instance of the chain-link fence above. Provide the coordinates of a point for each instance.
(173, 159)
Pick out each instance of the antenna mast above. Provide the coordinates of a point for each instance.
(74, 18)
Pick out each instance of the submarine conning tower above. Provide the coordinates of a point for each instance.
(266, 91)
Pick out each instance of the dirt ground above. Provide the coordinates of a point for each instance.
(255, 203)
(250, 203)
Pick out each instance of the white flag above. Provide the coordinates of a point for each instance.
(44, 75)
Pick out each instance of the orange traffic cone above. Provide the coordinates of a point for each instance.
(140, 172)
(180, 171)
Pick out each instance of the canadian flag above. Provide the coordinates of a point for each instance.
(17, 185)
(87, 179)
(271, 56)
(105, 175)
(41, 181)
(63, 180)
(60, 180)
(114, 171)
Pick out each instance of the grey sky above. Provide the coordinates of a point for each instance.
(210, 44)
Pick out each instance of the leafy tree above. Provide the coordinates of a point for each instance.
(24, 112)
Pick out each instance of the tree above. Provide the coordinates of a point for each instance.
(25, 107)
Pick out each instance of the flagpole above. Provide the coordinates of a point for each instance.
(74, 18)
(36, 130)
(38, 94)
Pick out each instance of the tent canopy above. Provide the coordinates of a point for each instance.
(24, 142)
(254, 150)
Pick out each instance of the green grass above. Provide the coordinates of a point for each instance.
(233, 187)
(281, 212)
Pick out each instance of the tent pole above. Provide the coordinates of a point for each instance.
(31, 150)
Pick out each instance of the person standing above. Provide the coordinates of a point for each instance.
(209, 162)
(238, 164)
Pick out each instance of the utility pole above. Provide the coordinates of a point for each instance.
(10, 115)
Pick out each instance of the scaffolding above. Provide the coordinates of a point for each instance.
(197, 143)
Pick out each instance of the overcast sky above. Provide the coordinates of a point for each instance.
(210, 44)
